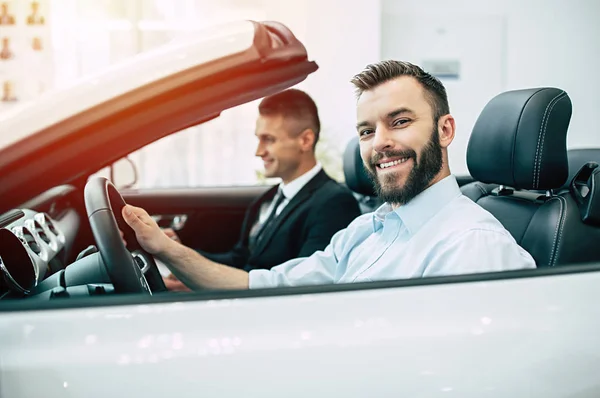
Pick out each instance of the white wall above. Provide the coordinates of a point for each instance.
(547, 43)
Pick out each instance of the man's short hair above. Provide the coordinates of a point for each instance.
(376, 74)
(293, 104)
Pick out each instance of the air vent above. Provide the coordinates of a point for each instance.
(44, 219)
(51, 226)
(44, 227)
(41, 232)
(28, 239)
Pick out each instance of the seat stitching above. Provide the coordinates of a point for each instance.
(553, 251)
(483, 191)
(563, 222)
(537, 148)
(545, 119)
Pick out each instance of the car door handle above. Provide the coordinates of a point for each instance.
(173, 221)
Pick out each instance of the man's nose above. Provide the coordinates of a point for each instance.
(260, 150)
(382, 141)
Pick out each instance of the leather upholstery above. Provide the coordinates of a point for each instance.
(585, 188)
(358, 180)
(519, 139)
(528, 130)
(550, 229)
(356, 176)
(577, 158)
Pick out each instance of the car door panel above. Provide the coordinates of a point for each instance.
(501, 338)
(209, 218)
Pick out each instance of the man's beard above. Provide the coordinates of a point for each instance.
(424, 170)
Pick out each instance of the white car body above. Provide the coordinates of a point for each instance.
(531, 337)
(532, 333)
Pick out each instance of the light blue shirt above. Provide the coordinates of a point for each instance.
(439, 232)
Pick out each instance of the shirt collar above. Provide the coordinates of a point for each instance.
(422, 207)
(292, 188)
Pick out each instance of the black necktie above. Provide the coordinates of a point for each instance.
(279, 197)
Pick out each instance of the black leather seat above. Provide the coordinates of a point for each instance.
(357, 178)
(577, 158)
(518, 149)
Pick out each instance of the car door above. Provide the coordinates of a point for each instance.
(530, 333)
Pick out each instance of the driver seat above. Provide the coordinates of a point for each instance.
(518, 147)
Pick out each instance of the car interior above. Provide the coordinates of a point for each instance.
(521, 172)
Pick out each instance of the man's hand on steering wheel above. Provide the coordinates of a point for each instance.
(149, 235)
(130, 269)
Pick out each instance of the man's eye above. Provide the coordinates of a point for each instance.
(365, 132)
(400, 122)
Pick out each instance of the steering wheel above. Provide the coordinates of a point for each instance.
(130, 270)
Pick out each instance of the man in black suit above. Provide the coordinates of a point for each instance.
(301, 214)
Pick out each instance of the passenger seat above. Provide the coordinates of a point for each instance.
(517, 154)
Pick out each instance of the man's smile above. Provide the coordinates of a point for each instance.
(393, 164)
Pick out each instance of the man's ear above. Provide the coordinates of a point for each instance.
(307, 140)
(446, 130)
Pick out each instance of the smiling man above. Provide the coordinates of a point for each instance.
(426, 227)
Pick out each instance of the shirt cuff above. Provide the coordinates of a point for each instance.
(259, 278)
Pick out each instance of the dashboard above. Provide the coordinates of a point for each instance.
(30, 249)
(33, 246)
(45, 252)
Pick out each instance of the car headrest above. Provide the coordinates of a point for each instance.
(578, 158)
(356, 176)
(519, 140)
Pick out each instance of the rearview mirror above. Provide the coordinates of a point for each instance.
(123, 173)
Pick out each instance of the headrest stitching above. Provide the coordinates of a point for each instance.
(514, 143)
(556, 101)
(541, 135)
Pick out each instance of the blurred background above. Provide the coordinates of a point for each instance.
(477, 47)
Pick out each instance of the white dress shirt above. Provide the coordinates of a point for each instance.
(439, 232)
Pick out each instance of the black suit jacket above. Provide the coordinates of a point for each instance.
(306, 224)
